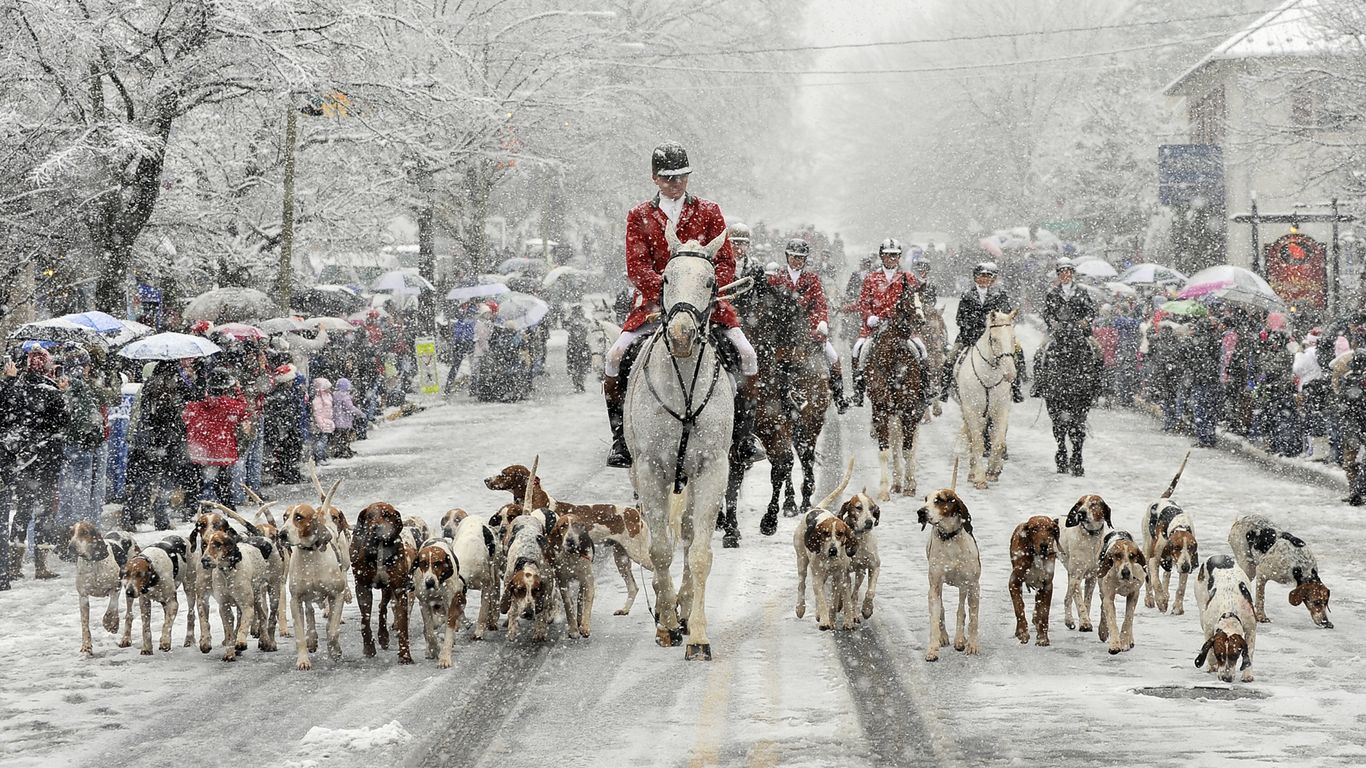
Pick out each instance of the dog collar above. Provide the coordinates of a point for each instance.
(946, 536)
(1090, 532)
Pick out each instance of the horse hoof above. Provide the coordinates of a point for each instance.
(676, 636)
(768, 524)
(731, 541)
(980, 485)
(697, 652)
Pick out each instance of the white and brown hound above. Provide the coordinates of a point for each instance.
(825, 545)
(954, 561)
(158, 573)
(1169, 544)
(1079, 549)
(571, 553)
(100, 561)
(1227, 618)
(863, 515)
(1033, 557)
(316, 576)
(529, 581)
(439, 589)
(451, 520)
(1122, 571)
(1268, 554)
(246, 576)
(617, 525)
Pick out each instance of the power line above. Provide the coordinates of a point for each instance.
(911, 70)
(962, 38)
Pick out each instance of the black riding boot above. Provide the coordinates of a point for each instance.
(859, 383)
(1036, 386)
(1076, 468)
(837, 390)
(946, 379)
(742, 438)
(1020, 375)
(620, 455)
(926, 394)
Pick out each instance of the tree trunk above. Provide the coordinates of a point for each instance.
(479, 187)
(426, 250)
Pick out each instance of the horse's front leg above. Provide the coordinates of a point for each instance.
(998, 444)
(973, 435)
(703, 509)
(881, 426)
(910, 426)
(806, 452)
(654, 507)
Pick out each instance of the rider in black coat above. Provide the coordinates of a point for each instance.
(973, 307)
(1067, 311)
(33, 425)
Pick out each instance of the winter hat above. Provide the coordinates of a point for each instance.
(1275, 321)
(1341, 347)
(221, 380)
(39, 360)
(322, 385)
(1312, 339)
(343, 385)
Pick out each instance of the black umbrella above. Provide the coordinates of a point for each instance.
(331, 302)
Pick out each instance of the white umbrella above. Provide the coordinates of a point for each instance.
(58, 330)
(401, 283)
(282, 325)
(1097, 269)
(1149, 273)
(560, 272)
(131, 330)
(100, 321)
(328, 324)
(225, 305)
(169, 346)
(520, 311)
(1121, 289)
(483, 290)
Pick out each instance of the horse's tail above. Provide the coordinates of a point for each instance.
(835, 494)
(1167, 494)
(678, 502)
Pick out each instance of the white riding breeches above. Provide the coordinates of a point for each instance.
(749, 360)
(862, 349)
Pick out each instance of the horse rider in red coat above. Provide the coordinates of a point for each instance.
(882, 288)
(647, 252)
(810, 294)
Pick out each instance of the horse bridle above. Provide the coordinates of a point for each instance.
(688, 418)
(993, 362)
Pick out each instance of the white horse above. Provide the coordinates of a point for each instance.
(983, 375)
(678, 416)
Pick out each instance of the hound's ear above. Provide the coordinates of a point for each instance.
(1165, 559)
(1106, 562)
(1055, 530)
(1204, 651)
(1195, 552)
(1298, 573)
(1297, 595)
(194, 539)
(809, 536)
(877, 513)
(1105, 510)
(1077, 513)
(324, 536)
(961, 510)
(1142, 561)
(1246, 593)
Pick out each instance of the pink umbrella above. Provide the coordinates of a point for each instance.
(1231, 284)
(240, 331)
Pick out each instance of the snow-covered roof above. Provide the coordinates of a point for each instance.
(1292, 29)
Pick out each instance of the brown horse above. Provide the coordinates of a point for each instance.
(933, 332)
(895, 375)
(794, 397)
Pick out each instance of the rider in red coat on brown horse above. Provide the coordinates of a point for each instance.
(877, 299)
(647, 252)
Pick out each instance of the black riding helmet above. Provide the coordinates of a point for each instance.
(221, 380)
(986, 268)
(798, 247)
(670, 159)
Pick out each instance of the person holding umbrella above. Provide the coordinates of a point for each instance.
(33, 423)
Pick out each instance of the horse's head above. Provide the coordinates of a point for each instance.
(1000, 340)
(688, 291)
(910, 306)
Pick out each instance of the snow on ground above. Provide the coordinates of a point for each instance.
(779, 692)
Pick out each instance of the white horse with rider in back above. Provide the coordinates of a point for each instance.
(983, 375)
(679, 413)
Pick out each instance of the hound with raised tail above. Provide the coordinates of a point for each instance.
(316, 576)
(158, 573)
(618, 526)
(1227, 618)
(1268, 554)
(382, 558)
(1079, 550)
(245, 575)
(344, 534)
(100, 561)
(954, 561)
(1122, 571)
(529, 582)
(862, 515)
(1033, 556)
(1169, 543)
(571, 550)
(825, 546)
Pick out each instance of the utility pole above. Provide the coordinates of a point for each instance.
(285, 280)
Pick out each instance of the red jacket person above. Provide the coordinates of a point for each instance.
(647, 252)
(810, 294)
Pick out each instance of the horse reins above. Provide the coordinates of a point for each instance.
(994, 362)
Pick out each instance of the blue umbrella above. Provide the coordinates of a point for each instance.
(169, 346)
(102, 322)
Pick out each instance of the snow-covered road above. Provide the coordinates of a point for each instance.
(780, 692)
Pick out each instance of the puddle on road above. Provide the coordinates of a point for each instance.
(1218, 693)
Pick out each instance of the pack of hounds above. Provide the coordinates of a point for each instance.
(532, 560)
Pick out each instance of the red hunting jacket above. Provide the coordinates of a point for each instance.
(647, 251)
(878, 296)
(810, 294)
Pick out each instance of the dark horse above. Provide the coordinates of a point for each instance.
(1069, 382)
(895, 372)
(794, 396)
